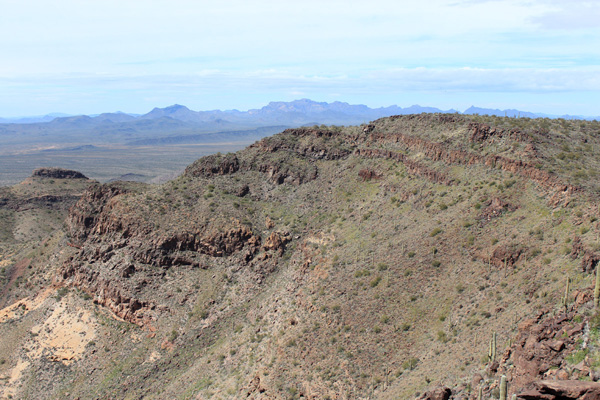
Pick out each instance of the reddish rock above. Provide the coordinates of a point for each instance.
(581, 297)
(269, 223)
(562, 390)
(437, 394)
(492, 368)
(576, 248)
(281, 172)
(495, 208)
(590, 261)
(506, 255)
(118, 255)
(541, 344)
(315, 146)
(242, 191)
(476, 380)
(368, 174)
(276, 242)
(215, 164)
(97, 213)
(561, 193)
(562, 375)
(481, 133)
(413, 167)
(255, 387)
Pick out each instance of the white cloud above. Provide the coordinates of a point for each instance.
(125, 52)
(578, 15)
(503, 80)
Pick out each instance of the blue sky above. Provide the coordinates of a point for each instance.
(89, 57)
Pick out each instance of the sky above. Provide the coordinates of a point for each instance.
(88, 57)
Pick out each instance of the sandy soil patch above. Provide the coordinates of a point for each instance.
(64, 335)
(320, 238)
(24, 306)
(61, 337)
(11, 387)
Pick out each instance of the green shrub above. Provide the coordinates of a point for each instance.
(410, 364)
(361, 273)
(442, 337)
(435, 232)
(578, 356)
(375, 281)
(61, 293)
(534, 252)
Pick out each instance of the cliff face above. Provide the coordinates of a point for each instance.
(356, 262)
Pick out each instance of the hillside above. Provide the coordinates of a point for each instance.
(373, 261)
(159, 144)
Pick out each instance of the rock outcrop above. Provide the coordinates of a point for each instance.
(504, 256)
(413, 167)
(47, 201)
(561, 192)
(482, 133)
(496, 208)
(90, 214)
(539, 347)
(216, 164)
(58, 173)
(562, 390)
(590, 258)
(437, 394)
(119, 255)
(310, 143)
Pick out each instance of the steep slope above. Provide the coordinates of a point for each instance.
(32, 217)
(359, 262)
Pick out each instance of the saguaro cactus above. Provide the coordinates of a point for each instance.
(597, 288)
(503, 391)
(565, 299)
(492, 350)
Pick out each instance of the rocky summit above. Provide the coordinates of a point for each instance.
(418, 256)
(58, 173)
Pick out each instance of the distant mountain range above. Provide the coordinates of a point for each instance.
(178, 125)
(294, 113)
(32, 119)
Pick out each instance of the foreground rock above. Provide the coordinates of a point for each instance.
(562, 390)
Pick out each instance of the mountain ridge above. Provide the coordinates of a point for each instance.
(336, 111)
